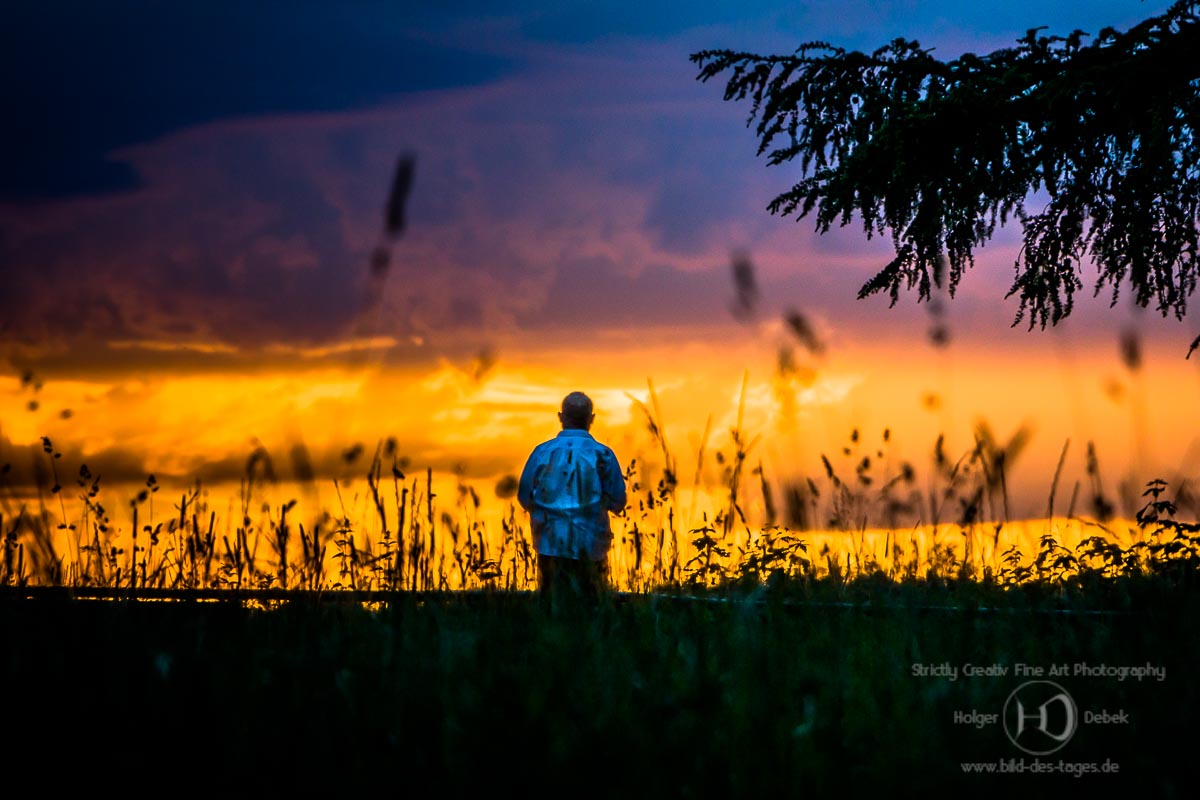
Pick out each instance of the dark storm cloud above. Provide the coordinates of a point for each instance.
(84, 79)
(534, 204)
(28, 465)
(596, 184)
(25, 466)
(96, 360)
(204, 254)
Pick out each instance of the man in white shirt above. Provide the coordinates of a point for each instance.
(569, 486)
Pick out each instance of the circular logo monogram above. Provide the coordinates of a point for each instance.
(1040, 717)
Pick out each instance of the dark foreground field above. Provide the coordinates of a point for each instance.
(643, 696)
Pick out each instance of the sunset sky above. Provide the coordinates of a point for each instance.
(192, 192)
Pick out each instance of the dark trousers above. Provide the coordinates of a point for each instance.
(572, 577)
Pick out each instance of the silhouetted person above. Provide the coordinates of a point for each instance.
(569, 486)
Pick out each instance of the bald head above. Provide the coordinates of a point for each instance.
(576, 411)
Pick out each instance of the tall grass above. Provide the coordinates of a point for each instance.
(883, 522)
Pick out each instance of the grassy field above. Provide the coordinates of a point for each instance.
(739, 656)
(643, 695)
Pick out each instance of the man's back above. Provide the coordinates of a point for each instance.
(569, 485)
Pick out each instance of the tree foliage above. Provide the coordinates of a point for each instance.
(1089, 142)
